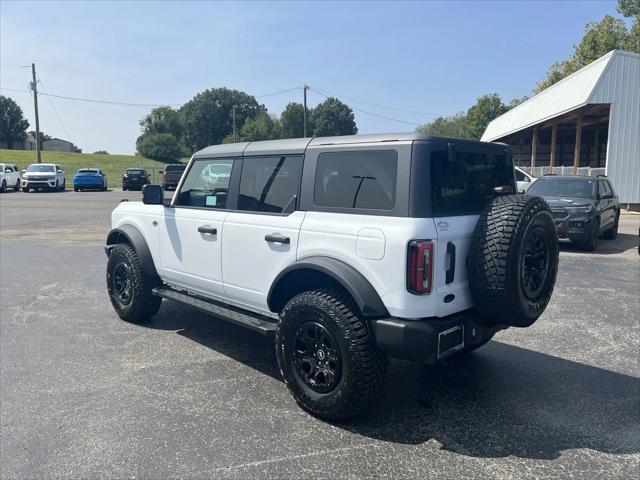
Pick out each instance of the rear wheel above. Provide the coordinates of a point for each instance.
(3, 186)
(17, 186)
(129, 286)
(612, 233)
(327, 356)
(513, 260)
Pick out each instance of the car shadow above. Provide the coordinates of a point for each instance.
(499, 401)
(622, 243)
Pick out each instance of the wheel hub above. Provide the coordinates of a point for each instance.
(535, 263)
(122, 283)
(316, 357)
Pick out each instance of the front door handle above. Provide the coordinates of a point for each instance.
(207, 230)
(277, 238)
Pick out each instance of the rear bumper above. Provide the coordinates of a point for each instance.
(430, 339)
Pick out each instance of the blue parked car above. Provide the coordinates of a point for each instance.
(89, 178)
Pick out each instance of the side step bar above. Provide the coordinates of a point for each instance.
(253, 321)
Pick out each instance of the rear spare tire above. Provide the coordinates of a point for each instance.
(513, 260)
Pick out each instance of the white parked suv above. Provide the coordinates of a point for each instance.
(349, 249)
(48, 176)
(523, 180)
(9, 177)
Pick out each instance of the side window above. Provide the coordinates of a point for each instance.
(358, 179)
(520, 176)
(270, 184)
(206, 184)
(609, 187)
(602, 189)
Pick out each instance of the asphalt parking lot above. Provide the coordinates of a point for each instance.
(85, 395)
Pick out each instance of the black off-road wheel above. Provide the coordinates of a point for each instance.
(3, 186)
(130, 287)
(513, 260)
(612, 232)
(327, 355)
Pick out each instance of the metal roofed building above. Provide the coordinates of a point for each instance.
(589, 122)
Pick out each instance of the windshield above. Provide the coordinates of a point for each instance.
(175, 168)
(41, 168)
(563, 187)
(87, 172)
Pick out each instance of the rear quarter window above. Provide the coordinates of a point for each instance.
(358, 179)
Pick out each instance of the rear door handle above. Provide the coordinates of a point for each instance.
(451, 271)
(207, 230)
(277, 238)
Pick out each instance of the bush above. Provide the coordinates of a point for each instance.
(163, 147)
(101, 152)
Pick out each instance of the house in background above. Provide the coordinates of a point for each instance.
(587, 123)
(28, 143)
(58, 145)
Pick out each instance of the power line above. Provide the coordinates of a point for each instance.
(111, 102)
(325, 93)
(279, 92)
(54, 108)
(14, 90)
(371, 113)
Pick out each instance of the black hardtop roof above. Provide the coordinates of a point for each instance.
(299, 145)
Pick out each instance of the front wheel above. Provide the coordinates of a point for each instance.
(327, 355)
(129, 286)
(17, 186)
(612, 233)
(3, 186)
(592, 242)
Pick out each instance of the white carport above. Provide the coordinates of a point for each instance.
(589, 122)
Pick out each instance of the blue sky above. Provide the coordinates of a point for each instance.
(430, 57)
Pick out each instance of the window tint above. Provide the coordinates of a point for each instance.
(206, 184)
(270, 184)
(520, 176)
(465, 185)
(609, 187)
(175, 168)
(361, 179)
(604, 188)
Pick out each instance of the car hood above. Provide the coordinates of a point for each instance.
(568, 201)
(39, 174)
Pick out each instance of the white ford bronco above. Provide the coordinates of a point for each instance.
(348, 249)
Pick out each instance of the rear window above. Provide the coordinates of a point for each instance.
(135, 172)
(360, 179)
(175, 168)
(463, 186)
(87, 172)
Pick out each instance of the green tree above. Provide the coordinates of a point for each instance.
(332, 117)
(101, 152)
(629, 8)
(292, 120)
(13, 125)
(261, 127)
(486, 108)
(207, 118)
(163, 120)
(163, 147)
(601, 37)
(452, 127)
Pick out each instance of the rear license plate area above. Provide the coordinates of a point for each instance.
(450, 341)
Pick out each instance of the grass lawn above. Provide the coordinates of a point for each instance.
(112, 165)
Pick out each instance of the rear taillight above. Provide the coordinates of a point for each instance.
(419, 266)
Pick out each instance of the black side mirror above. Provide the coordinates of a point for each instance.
(152, 195)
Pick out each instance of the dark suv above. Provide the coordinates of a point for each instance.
(134, 179)
(171, 176)
(583, 207)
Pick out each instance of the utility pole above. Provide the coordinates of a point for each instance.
(233, 119)
(34, 87)
(304, 115)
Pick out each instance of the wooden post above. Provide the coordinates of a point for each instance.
(596, 153)
(554, 137)
(520, 152)
(534, 144)
(576, 150)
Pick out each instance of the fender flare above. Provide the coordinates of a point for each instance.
(360, 289)
(131, 235)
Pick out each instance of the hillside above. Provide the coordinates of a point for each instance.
(111, 165)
